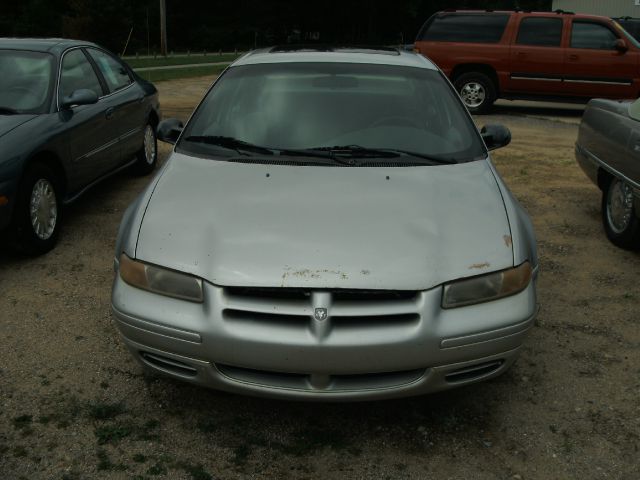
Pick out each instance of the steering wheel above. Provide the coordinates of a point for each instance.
(399, 120)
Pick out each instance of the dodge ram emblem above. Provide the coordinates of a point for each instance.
(320, 314)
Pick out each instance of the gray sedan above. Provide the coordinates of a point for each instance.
(329, 226)
(71, 114)
(608, 150)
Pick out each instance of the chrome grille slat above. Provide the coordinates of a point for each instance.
(269, 303)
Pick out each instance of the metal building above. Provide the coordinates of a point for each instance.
(608, 8)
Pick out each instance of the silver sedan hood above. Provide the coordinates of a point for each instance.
(407, 228)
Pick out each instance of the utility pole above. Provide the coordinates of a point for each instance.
(163, 28)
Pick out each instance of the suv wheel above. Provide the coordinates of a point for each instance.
(619, 218)
(476, 90)
(38, 214)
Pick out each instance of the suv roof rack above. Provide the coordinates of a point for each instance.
(335, 48)
(559, 11)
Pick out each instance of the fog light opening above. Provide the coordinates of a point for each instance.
(168, 365)
(474, 371)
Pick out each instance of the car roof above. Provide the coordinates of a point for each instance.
(334, 54)
(53, 45)
(528, 13)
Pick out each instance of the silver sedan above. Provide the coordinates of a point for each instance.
(329, 226)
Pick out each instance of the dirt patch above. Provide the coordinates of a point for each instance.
(74, 405)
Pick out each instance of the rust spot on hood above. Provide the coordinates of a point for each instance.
(507, 240)
(479, 266)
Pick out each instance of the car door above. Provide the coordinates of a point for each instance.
(125, 101)
(594, 67)
(537, 56)
(89, 137)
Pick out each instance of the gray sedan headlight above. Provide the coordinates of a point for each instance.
(160, 280)
(485, 288)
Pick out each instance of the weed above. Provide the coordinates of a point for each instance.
(22, 422)
(139, 458)
(157, 469)
(112, 433)
(197, 472)
(146, 431)
(104, 462)
(207, 425)
(105, 411)
(19, 451)
(241, 454)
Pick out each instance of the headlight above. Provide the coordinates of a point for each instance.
(160, 280)
(485, 288)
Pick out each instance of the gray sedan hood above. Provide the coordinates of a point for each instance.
(9, 122)
(407, 228)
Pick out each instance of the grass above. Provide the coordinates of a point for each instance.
(171, 61)
(105, 411)
(163, 75)
(112, 433)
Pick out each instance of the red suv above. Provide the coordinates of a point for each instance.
(524, 55)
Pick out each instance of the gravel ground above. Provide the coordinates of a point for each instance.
(74, 405)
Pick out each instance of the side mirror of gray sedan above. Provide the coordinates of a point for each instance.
(495, 136)
(169, 130)
(80, 97)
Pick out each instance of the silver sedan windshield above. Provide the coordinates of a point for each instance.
(325, 105)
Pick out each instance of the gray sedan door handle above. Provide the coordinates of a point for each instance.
(109, 113)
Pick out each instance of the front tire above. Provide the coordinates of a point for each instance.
(477, 91)
(147, 156)
(619, 218)
(38, 215)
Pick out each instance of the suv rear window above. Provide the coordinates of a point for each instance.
(541, 32)
(468, 28)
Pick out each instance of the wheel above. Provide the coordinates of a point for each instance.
(476, 90)
(38, 214)
(147, 156)
(619, 218)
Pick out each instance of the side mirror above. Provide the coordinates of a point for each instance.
(495, 136)
(80, 97)
(169, 130)
(620, 45)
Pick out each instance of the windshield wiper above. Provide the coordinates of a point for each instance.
(230, 143)
(8, 111)
(357, 151)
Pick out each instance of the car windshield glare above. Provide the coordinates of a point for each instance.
(301, 106)
(26, 80)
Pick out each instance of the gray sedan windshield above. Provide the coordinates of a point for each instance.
(26, 80)
(343, 106)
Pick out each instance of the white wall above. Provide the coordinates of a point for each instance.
(608, 8)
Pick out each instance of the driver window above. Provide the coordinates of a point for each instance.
(77, 73)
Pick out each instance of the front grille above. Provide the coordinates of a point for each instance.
(332, 309)
(330, 383)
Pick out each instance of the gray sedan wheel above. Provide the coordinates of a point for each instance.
(38, 212)
(147, 156)
(619, 218)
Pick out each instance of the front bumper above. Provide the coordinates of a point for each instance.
(8, 190)
(363, 352)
